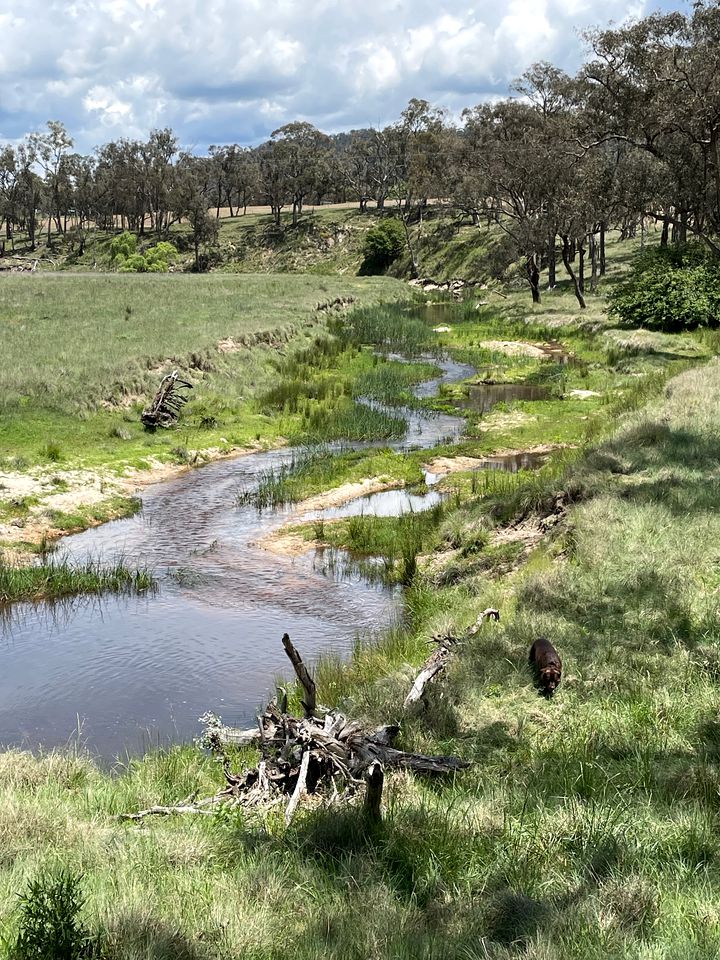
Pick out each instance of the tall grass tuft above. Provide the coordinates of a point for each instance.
(391, 327)
(282, 485)
(52, 580)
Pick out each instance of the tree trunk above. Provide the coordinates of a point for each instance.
(602, 249)
(552, 262)
(533, 275)
(581, 264)
(593, 262)
(413, 260)
(665, 231)
(571, 273)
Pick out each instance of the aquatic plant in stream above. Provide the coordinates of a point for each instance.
(391, 327)
(285, 484)
(54, 579)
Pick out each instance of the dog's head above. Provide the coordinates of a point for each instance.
(550, 680)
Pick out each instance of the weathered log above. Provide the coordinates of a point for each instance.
(299, 790)
(159, 811)
(308, 684)
(369, 751)
(387, 734)
(375, 778)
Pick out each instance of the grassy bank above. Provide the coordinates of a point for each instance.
(84, 353)
(586, 827)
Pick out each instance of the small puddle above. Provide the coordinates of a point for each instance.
(483, 396)
(388, 503)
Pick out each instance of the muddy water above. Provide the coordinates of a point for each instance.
(483, 396)
(128, 673)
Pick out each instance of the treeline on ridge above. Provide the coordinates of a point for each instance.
(634, 135)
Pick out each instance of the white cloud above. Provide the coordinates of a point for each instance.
(225, 70)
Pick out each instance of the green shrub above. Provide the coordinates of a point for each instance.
(157, 259)
(49, 928)
(670, 289)
(123, 246)
(160, 257)
(383, 244)
(135, 263)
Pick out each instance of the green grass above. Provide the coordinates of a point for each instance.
(316, 470)
(71, 350)
(53, 580)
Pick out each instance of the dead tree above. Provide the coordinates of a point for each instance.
(167, 404)
(322, 754)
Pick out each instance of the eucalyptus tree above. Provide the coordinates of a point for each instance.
(295, 163)
(157, 178)
(50, 151)
(655, 85)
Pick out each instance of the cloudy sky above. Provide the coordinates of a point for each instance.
(220, 71)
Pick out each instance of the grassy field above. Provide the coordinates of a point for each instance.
(84, 353)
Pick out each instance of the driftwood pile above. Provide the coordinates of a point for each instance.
(322, 753)
(167, 403)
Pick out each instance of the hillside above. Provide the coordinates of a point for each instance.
(327, 240)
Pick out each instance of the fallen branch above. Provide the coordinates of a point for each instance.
(299, 790)
(438, 660)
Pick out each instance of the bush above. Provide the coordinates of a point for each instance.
(160, 257)
(123, 246)
(156, 259)
(49, 926)
(135, 263)
(383, 244)
(670, 289)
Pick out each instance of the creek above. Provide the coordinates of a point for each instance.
(124, 674)
(121, 675)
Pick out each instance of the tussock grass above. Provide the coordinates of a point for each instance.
(314, 470)
(54, 579)
(391, 327)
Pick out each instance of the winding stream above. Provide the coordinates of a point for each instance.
(124, 673)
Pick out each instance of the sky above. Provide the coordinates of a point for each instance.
(232, 71)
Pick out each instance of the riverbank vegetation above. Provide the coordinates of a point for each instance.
(585, 825)
(84, 354)
(52, 579)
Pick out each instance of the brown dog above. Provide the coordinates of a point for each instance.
(548, 666)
